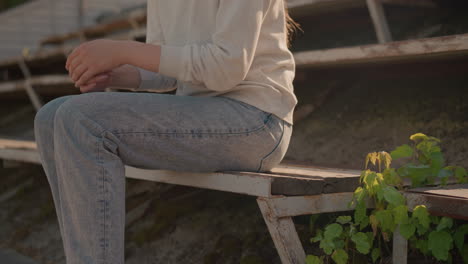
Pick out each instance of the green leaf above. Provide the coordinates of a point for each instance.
(385, 218)
(327, 245)
(375, 254)
(385, 158)
(407, 230)
(440, 243)
(391, 177)
(445, 222)
(362, 242)
(392, 196)
(459, 236)
(418, 136)
(461, 175)
(372, 157)
(360, 213)
(312, 220)
(340, 256)
(339, 243)
(369, 179)
(332, 231)
(464, 254)
(443, 175)
(364, 223)
(403, 151)
(422, 245)
(437, 161)
(400, 214)
(370, 238)
(311, 259)
(343, 219)
(427, 148)
(317, 237)
(417, 173)
(420, 213)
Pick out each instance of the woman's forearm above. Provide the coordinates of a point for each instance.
(102, 55)
(143, 55)
(125, 76)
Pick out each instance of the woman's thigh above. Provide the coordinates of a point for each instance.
(187, 133)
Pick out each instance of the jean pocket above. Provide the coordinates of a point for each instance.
(276, 155)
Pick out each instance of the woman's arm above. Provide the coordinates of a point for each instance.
(220, 64)
(103, 55)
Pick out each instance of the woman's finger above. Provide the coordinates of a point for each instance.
(76, 74)
(72, 56)
(97, 78)
(85, 77)
(88, 87)
(73, 64)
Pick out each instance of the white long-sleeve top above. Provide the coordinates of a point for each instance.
(231, 48)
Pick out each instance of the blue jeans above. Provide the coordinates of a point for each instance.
(84, 141)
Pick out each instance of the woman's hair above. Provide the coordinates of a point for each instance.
(291, 26)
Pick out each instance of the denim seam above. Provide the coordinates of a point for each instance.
(266, 120)
(276, 146)
(103, 200)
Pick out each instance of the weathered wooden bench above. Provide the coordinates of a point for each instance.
(289, 190)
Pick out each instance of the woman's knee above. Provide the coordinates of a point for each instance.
(44, 118)
(78, 113)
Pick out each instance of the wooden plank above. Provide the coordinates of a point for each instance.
(303, 8)
(400, 248)
(409, 50)
(416, 3)
(24, 155)
(256, 185)
(284, 235)
(314, 204)
(42, 80)
(439, 204)
(137, 17)
(455, 190)
(310, 180)
(6, 143)
(39, 57)
(299, 8)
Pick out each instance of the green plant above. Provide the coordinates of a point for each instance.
(366, 235)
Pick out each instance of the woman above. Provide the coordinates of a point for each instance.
(230, 65)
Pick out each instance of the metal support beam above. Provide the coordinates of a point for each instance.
(33, 96)
(380, 21)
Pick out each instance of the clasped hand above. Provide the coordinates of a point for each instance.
(89, 65)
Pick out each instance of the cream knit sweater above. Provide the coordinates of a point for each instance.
(231, 48)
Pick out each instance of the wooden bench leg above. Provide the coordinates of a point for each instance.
(400, 248)
(283, 233)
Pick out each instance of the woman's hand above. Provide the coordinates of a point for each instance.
(98, 83)
(92, 58)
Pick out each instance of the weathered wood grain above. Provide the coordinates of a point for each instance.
(43, 80)
(284, 235)
(408, 50)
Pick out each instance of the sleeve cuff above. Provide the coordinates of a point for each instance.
(171, 61)
(146, 78)
(154, 81)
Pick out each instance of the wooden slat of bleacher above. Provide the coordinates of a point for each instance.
(286, 179)
(401, 51)
(43, 80)
(450, 200)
